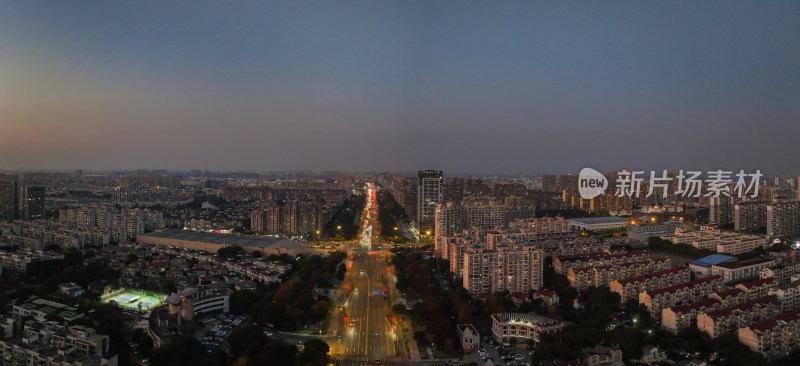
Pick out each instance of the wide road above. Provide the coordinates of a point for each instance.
(364, 332)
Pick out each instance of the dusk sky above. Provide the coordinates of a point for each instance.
(464, 87)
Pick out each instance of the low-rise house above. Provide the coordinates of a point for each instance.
(652, 355)
(70, 289)
(602, 356)
(468, 336)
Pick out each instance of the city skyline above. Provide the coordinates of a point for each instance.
(473, 89)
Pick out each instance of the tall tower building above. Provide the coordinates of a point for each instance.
(8, 199)
(429, 193)
(450, 218)
(31, 202)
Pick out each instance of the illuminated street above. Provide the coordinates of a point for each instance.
(365, 333)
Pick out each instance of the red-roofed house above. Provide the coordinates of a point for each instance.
(729, 297)
(631, 287)
(547, 296)
(774, 337)
(726, 320)
(757, 288)
(656, 300)
(681, 316)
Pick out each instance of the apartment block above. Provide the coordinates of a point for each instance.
(757, 288)
(680, 317)
(718, 241)
(562, 263)
(750, 216)
(729, 297)
(657, 300)
(783, 218)
(774, 337)
(584, 277)
(782, 273)
(788, 295)
(631, 287)
(728, 319)
(512, 268)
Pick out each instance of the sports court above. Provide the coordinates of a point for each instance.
(135, 300)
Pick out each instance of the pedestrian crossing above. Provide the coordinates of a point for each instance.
(360, 359)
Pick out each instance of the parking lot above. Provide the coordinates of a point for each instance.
(216, 329)
(510, 356)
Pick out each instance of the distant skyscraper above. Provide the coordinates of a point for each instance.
(550, 183)
(8, 199)
(429, 193)
(31, 202)
(783, 218)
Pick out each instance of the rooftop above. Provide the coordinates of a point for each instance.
(711, 260)
(600, 220)
(745, 263)
(224, 239)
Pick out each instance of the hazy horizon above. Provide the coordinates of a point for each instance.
(470, 88)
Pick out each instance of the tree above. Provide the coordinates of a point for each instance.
(230, 251)
(246, 340)
(315, 353)
(182, 350)
(242, 301)
(130, 258)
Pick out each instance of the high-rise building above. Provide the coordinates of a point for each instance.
(485, 215)
(405, 193)
(429, 193)
(516, 269)
(720, 210)
(750, 216)
(31, 202)
(450, 218)
(550, 184)
(567, 181)
(783, 218)
(8, 199)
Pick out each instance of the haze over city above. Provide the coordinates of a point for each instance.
(466, 87)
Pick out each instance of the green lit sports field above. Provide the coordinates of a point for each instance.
(136, 300)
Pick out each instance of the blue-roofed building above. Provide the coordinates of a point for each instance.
(701, 267)
(598, 223)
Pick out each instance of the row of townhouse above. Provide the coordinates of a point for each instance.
(774, 337)
(563, 263)
(728, 319)
(631, 287)
(757, 288)
(659, 299)
(680, 317)
(729, 297)
(783, 274)
(788, 295)
(683, 316)
(582, 278)
(576, 248)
